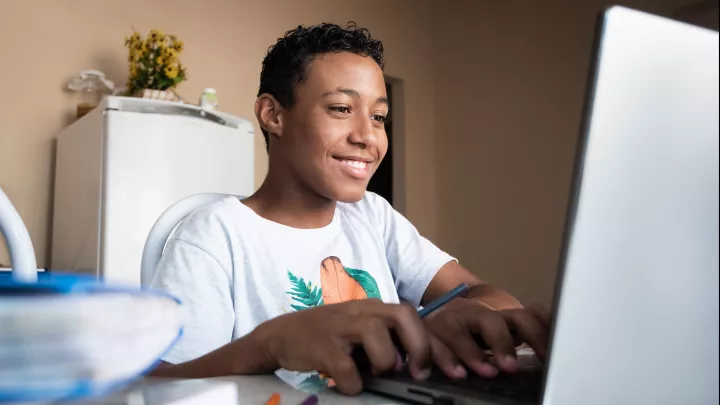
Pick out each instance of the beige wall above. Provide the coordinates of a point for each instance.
(509, 86)
(45, 42)
(492, 103)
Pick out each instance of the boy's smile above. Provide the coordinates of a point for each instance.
(356, 166)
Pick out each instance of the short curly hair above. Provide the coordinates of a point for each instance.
(286, 62)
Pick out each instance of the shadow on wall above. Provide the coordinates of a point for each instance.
(704, 14)
(50, 213)
(113, 67)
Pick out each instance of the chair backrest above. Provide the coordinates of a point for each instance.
(13, 230)
(164, 226)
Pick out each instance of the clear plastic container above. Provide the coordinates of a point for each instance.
(91, 86)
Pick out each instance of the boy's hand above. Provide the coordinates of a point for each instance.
(465, 328)
(324, 337)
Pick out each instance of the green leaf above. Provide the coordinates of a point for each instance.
(367, 282)
(306, 301)
(317, 294)
(303, 293)
(312, 384)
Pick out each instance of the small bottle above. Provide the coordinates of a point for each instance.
(92, 86)
(208, 100)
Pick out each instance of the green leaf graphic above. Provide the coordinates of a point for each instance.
(312, 384)
(367, 282)
(303, 293)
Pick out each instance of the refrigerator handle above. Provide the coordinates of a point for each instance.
(175, 110)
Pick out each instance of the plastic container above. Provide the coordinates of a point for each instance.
(91, 86)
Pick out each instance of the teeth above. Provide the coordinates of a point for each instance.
(355, 164)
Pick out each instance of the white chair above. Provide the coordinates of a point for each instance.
(17, 238)
(164, 226)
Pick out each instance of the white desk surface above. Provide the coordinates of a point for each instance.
(251, 390)
(241, 390)
(257, 389)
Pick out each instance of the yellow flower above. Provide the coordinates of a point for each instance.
(134, 38)
(156, 35)
(133, 69)
(159, 60)
(169, 53)
(171, 71)
(179, 46)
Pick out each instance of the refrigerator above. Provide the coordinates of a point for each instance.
(120, 166)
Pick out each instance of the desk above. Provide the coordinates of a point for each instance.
(251, 390)
(257, 389)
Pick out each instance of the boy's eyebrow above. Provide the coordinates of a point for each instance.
(354, 93)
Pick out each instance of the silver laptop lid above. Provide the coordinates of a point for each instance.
(637, 307)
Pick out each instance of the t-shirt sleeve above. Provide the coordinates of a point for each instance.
(194, 268)
(414, 260)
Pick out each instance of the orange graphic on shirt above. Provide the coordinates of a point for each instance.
(337, 285)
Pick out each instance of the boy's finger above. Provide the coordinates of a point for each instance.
(492, 328)
(377, 346)
(412, 335)
(341, 368)
(530, 329)
(463, 346)
(444, 358)
(541, 313)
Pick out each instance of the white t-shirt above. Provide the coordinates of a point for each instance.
(233, 269)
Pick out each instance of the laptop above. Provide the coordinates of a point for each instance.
(636, 303)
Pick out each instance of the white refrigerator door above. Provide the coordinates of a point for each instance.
(153, 160)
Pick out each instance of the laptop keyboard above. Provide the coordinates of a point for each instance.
(523, 386)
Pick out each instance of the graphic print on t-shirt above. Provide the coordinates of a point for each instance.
(337, 284)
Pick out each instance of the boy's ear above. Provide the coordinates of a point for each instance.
(269, 114)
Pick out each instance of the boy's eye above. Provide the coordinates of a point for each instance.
(341, 110)
(380, 118)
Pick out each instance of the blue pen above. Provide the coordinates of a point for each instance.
(359, 355)
(447, 297)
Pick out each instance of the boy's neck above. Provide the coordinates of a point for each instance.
(291, 205)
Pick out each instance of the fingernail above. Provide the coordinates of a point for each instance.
(510, 363)
(487, 370)
(460, 371)
(422, 374)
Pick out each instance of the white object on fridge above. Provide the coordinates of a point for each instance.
(120, 166)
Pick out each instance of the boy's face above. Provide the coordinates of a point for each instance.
(333, 138)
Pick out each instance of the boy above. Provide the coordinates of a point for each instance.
(258, 276)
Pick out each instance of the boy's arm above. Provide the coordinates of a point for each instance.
(452, 274)
(422, 271)
(318, 339)
(187, 271)
(243, 356)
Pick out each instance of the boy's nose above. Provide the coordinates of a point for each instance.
(365, 134)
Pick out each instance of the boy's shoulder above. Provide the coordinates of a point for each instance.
(213, 218)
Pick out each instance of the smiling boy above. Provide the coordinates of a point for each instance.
(281, 279)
